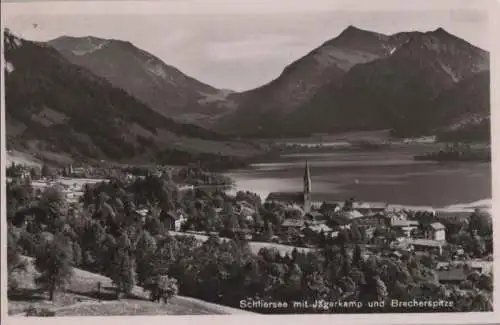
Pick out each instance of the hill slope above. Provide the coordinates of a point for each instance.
(55, 106)
(162, 87)
(360, 81)
(79, 299)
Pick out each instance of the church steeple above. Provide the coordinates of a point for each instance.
(307, 189)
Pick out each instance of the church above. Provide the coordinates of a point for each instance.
(302, 199)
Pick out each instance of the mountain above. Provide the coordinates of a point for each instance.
(360, 81)
(260, 108)
(464, 110)
(55, 108)
(162, 87)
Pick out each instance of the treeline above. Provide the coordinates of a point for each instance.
(480, 132)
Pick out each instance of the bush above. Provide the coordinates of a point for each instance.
(164, 288)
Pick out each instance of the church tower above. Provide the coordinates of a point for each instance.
(307, 189)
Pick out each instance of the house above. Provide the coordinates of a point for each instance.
(315, 217)
(352, 214)
(401, 243)
(245, 211)
(141, 214)
(293, 224)
(396, 255)
(371, 220)
(405, 226)
(286, 197)
(369, 232)
(172, 220)
(483, 267)
(427, 245)
(369, 208)
(453, 276)
(436, 231)
(340, 221)
(394, 214)
(295, 209)
(321, 228)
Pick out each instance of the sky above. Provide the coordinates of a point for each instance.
(239, 44)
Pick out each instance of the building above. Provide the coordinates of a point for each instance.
(427, 245)
(405, 226)
(436, 231)
(452, 277)
(315, 217)
(371, 220)
(172, 220)
(369, 208)
(297, 224)
(352, 214)
(321, 228)
(293, 198)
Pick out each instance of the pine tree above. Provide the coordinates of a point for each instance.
(121, 272)
(54, 262)
(146, 268)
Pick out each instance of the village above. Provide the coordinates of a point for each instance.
(305, 225)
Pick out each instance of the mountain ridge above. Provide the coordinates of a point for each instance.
(163, 87)
(382, 65)
(55, 107)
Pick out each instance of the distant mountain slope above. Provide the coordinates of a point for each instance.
(258, 109)
(55, 106)
(387, 82)
(464, 111)
(162, 87)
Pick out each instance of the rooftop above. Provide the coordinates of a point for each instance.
(293, 223)
(457, 274)
(354, 214)
(404, 223)
(427, 242)
(297, 197)
(320, 227)
(437, 226)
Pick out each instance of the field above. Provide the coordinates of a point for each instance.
(80, 299)
(255, 247)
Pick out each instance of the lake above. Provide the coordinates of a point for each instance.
(389, 175)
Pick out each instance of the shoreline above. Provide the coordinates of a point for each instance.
(483, 204)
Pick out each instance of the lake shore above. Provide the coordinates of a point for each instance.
(484, 204)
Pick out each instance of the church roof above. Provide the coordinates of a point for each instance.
(295, 197)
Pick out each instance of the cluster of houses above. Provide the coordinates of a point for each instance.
(369, 217)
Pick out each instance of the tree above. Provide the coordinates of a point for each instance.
(54, 262)
(165, 288)
(47, 171)
(480, 223)
(146, 268)
(54, 204)
(357, 258)
(14, 261)
(77, 254)
(121, 272)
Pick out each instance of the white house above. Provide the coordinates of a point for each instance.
(437, 231)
